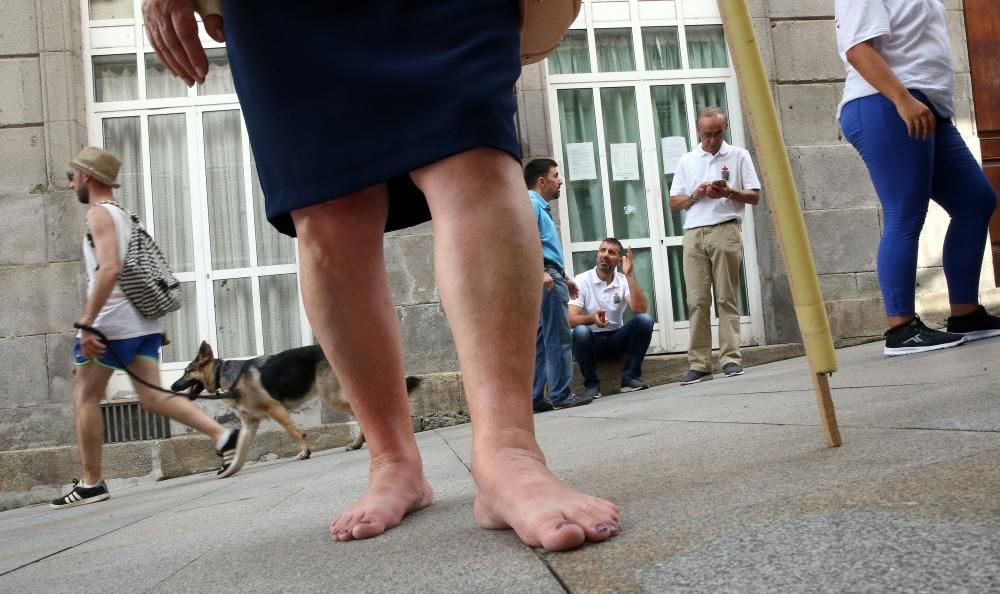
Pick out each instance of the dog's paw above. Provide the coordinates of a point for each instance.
(304, 455)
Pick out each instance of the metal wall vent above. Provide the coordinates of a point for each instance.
(127, 421)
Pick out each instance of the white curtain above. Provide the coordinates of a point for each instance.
(160, 82)
(578, 123)
(110, 9)
(234, 320)
(169, 180)
(628, 197)
(614, 50)
(219, 80)
(572, 56)
(225, 190)
(706, 46)
(272, 247)
(122, 138)
(182, 328)
(115, 78)
(661, 48)
(279, 297)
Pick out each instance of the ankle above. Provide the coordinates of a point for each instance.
(965, 309)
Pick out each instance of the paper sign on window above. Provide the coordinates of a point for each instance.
(580, 159)
(673, 147)
(624, 161)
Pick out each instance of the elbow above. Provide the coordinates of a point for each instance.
(112, 270)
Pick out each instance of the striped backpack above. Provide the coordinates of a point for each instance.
(145, 277)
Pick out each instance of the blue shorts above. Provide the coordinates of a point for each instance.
(121, 353)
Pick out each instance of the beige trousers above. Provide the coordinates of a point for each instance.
(712, 256)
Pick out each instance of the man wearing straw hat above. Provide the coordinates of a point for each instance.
(133, 342)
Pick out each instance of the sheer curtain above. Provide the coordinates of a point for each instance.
(614, 50)
(115, 78)
(706, 46)
(642, 268)
(628, 197)
(279, 297)
(160, 83)
(219, 80)
(272, 247)
(225, 190)
(573, 54)
(661, 47)
(709, 95)
(182, 328)
(670, 119)
(578, 122)
(169, 179)
(234, 318)
(122, 138)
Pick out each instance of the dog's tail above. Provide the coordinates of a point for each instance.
(411, 383)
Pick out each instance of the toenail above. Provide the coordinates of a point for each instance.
(600, 528)
(613, 528)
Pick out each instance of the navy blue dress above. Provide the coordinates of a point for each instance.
(339, 96)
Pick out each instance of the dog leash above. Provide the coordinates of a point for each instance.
(217, 395)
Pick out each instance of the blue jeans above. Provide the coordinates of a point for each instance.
(907, 173)
(630, 341)
(552, 345)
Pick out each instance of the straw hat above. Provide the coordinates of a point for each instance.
(98, 163)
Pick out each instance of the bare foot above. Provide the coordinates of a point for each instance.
(517, 490)
(394, 490)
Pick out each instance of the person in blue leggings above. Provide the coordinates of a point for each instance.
(896, 111)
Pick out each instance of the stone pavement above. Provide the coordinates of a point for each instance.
(724, 486)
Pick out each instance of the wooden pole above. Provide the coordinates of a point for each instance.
(783, 197)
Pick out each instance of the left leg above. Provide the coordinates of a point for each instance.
(631, 341)
(485, 243)
(726, 252)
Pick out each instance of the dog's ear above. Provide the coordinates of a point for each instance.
(205, 351)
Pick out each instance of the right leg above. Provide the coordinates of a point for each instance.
(557, 341)
(88, 388)
(585, 353)
(347, 297)
(698, 280)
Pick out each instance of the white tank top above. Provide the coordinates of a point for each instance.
(118, 318)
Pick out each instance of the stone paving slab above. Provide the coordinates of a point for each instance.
(724, 486)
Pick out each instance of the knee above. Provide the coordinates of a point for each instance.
(644, 323)
(581, 336)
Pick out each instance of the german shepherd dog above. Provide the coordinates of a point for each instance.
(271, 385)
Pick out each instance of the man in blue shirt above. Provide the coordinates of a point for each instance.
(553, 359)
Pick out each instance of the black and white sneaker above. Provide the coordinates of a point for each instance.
(693, 376)
(633, 385)
(230, 465)
(976, 325)
(80, 495)
(915, 337)
(732, 369)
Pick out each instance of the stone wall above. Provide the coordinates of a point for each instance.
(42, 124)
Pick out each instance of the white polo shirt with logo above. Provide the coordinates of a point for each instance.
(732, 164)
(596, 294)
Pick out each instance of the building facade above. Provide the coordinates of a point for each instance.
(615, 105)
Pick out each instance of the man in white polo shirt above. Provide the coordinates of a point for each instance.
(713, 183)
(597, 318)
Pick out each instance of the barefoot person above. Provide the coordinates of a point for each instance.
(133, 341)
(380, 119)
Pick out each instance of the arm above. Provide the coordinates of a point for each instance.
(578, 317)
(636, 297)
(751, 197)
(920, 122)
(102, 231)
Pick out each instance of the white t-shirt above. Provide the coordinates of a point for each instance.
(596, 294)
(118, 319)
(732, 164)
(911, 36)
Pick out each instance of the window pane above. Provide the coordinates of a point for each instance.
(642, 268)
(279, 302)
(224, 182)
(628, 191)
(115, 78)
(706, 46)
(584, 261)
(662, 50)
(219, 80)
(181, 327)
(578, 123)
(168, 176)
(160, 83)
(678, 290)
(614, 50)
(234, 327)
(122, 139)
(670, 122)
(110, 9)
(573, 54)
(711, 95)
(272, 247)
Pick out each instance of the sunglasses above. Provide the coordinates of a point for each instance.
(69, 175)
